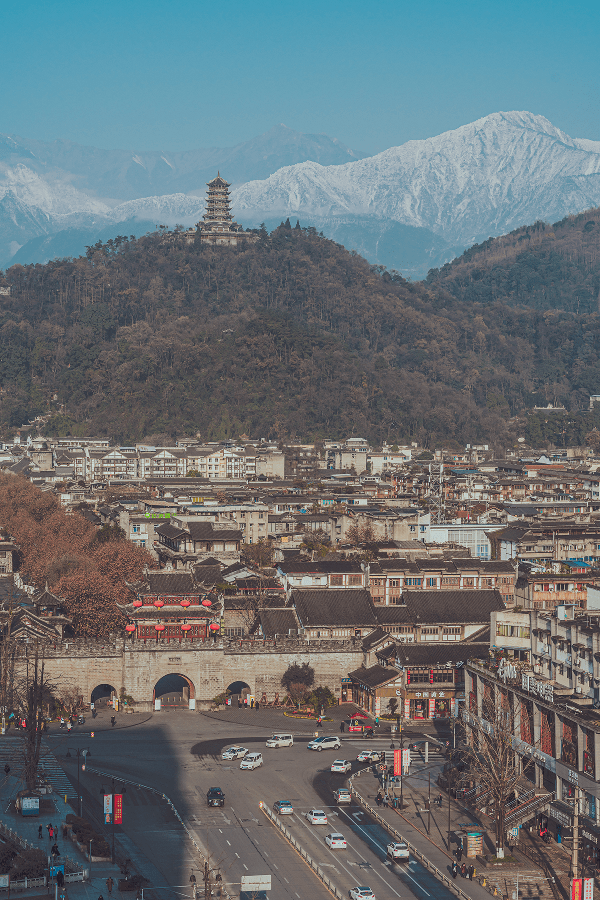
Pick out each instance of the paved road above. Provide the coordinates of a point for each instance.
(179, 753)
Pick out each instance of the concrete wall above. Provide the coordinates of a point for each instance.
(211, 668)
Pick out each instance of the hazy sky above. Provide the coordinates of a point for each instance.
(197, 73)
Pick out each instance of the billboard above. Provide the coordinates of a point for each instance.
(118, 809)
(397, 762)
(107, 809)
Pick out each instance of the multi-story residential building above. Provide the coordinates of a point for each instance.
(550, 683)
(544, 543)
(389, 578)
(299, 572)
(188, 539)
(546, 590)
(352, 454)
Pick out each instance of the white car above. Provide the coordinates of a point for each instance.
(361, 893)
(369, 756)
(398, 850)
(252, 761)
(328, 742)
(316, 817)
(234, 753)
(341, 765)
(336, 841)
(343, 795)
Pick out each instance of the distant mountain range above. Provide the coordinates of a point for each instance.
(412, 207)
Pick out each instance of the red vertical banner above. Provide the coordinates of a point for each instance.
(118, 809)
(397, 762)
(431, 709)
(576, 889)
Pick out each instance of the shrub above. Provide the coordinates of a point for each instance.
(29, 864)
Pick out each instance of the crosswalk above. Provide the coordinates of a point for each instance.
(11, 753)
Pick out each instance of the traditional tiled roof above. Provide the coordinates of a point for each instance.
(172, 583)
(452, 606)
(334, 608)
(436, 654)
(277, 621)
(374, 675)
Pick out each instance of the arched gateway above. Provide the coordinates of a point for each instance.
(174, 691)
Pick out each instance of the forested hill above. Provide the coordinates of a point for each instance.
(290, 337)
(541, 266)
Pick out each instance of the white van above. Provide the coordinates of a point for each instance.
(281, 740)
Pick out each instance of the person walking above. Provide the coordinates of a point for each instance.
(463, 870)
(319, 722)
(40, 832)
(50, 832)
(454, 869)
(459, 852)
(379, 799)
(55, 851)
(113, 721)
(256, 706)
(60, 879)
(342, 727)
(109, 885)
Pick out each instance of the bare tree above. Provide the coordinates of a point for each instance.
(33, 691)
(491, 759)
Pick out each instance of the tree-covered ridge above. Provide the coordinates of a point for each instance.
(291, 337)
(541, 266)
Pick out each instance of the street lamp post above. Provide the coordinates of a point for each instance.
(78, 753)
(112, 815)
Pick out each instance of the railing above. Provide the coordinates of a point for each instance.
(539, 861)
(25, 845)
(537, 802)
(518, 801)
(445, 880)
(321, 875)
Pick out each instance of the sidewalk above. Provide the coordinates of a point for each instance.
(412, 822)
(55, 811)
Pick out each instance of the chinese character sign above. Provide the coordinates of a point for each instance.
(588, 889)
(576, 892)
(397, 762)
(431, 709)
(107, 809)
(118, 809)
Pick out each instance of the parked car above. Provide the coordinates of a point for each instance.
(215, 797)
(234, 753)
(251, 761)
(281, 740)
(361, 893)
(336, 841)
(316, 817)
(341, 765)
(328, 742)
(283, 807)
(343, 795)
(369, 756)
(398, 850)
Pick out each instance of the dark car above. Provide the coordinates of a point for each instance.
(215, 797)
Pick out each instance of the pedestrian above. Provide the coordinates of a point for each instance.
(319, 722)
(440, 800)
(69, 725)
(377, 721)
(459, 852)
(60, 879)
(256, 706)
(113, 721)
(379, 799)
(109, 885)
(50, 832)
(65, 832)
(463, 870)
(40, 832)
(454, 868)
(342, 727)
(55, 851)
(100, 897)
(192, 877)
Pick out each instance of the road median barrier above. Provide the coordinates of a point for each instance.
(321, 875)
(446, 880)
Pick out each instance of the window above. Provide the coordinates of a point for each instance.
(355, 580)
(136, 529)
(394, 582)
(432, 582)
(561, 587)
(420, 677)
(336, 579)
(413, 582)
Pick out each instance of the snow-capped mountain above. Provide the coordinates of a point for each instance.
(485, 178)
(411, 207)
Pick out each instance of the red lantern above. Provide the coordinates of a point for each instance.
(206, 602)
(130, 628)
(185, 603)
(213, 626)
(138, 603)
(159, 627)
(159, 603)
(186, 627)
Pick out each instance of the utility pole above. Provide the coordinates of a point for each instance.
(449, 826)
(207, 890)
(429, 808)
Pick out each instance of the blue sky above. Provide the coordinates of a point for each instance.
(178, 75)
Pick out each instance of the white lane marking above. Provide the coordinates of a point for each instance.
(285, 879)
(245, 866)
(275, 866)
(265, 853)
(238, 855)
(221, 830)
(297, 894)
(228, 842)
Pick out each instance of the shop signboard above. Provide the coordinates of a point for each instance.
(4, 880)
(588, 889)
(407, 709)
(107, 809)
(118, 809)
(474, 843)
(406, 760)
(431, 709)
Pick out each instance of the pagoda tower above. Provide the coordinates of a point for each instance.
(217, 225)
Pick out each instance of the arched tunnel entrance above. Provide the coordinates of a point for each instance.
(238, 691)
(103, 695)
(174, 691)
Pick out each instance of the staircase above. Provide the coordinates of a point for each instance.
(527, 807)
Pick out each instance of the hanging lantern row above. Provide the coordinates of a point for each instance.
(130, 628)
(159, 627)
(138, 603)
(186, 627)
(185, 603)
(206, 602)
(213, 626)
(159, 603)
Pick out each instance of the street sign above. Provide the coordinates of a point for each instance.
(256, 883)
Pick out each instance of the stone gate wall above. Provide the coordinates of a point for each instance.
(211, 668)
